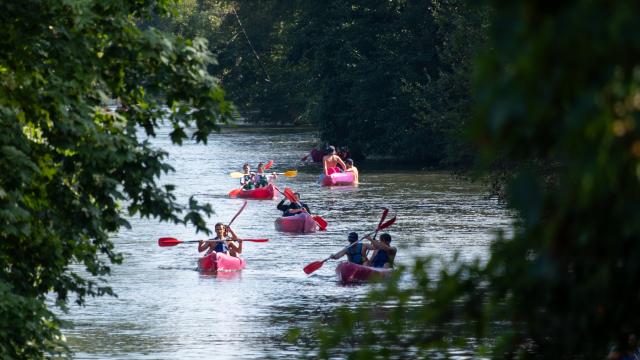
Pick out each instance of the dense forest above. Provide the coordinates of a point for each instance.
(547, 92)
(386, 78)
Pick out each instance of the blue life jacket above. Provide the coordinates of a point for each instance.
(380, 259)
(354, 254)
(221, 246)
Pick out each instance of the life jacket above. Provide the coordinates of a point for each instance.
(261, 180)
(221, 246)
(354, 254)
(380, 259)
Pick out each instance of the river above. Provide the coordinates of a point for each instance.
(167, 310)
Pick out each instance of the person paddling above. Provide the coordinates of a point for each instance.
(353, 169)
(384, 254)
(246, 181)
(331, 162)
(222, 242)
(262, 179)
(293, 207)
(356, 254)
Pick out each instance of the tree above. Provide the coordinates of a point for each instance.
(70, 166)
(559, 89)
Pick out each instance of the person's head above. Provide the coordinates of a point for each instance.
(297, 196)
(260, 167)
(353, 237)
(220, 229)
(385, 238)
(349, 162)
(331, 150)
(246, 168)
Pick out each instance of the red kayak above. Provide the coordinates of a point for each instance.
(350, 273)
(263, 193)
(345, 178)
(299, 223)
(215, 262)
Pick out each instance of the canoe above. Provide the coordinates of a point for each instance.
(345, 178)
(215, 262)
(299, 223)
(263, 193)
(350, 273)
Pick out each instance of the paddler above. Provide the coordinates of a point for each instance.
(356, 253)
(331, 162)
(353, 169)
(262, 179)
(383, 253)
(247, 177)
(293, 207)
(222, 242)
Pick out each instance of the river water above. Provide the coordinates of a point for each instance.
(167, 310)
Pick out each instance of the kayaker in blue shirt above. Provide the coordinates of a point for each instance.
(383, 253)
(293, 207)
(222, 242)
(357, 253)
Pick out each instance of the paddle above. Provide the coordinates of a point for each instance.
(288, 173)
(318, 264)
(244, 205)
(384, 216)
(268, 164)
(291, 196)
(169, 241)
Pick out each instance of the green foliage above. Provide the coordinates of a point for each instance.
(69, 165)
(559, 101)
(387, 78)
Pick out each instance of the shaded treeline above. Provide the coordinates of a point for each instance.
(387, 78)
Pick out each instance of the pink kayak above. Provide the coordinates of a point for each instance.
(215, 262)
(350, 273)
(299, 223)
(345, 178)
(263, 193)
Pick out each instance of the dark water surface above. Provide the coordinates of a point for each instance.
(166, 310)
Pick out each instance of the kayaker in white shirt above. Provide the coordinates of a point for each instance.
(222, 242)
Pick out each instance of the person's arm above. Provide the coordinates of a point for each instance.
(202, 245)
(365, 249)
(326, 172)
(380, 245)
(281, 206)
(236, 247)
(339, 161)
(304, 206)
(340, 253)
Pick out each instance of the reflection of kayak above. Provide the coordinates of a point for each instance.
(350, 273)
(263, 193)
(345, 178)
(215, 262)
(299, 223)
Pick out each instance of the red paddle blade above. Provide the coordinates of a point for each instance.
(387, 224)
(290, 195)
(384, 216)
(322, 223)
(234, 193)
(168, 241)
(268, 165)
(313, 267)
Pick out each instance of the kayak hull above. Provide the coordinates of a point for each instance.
(220, 262)
(299, 223)
(345, 178)
(350, 273)
(264, 193)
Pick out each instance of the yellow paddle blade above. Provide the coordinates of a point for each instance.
(236, 174)
(290, 173)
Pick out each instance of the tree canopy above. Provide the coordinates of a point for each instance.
(559, 88)
(73, 168)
